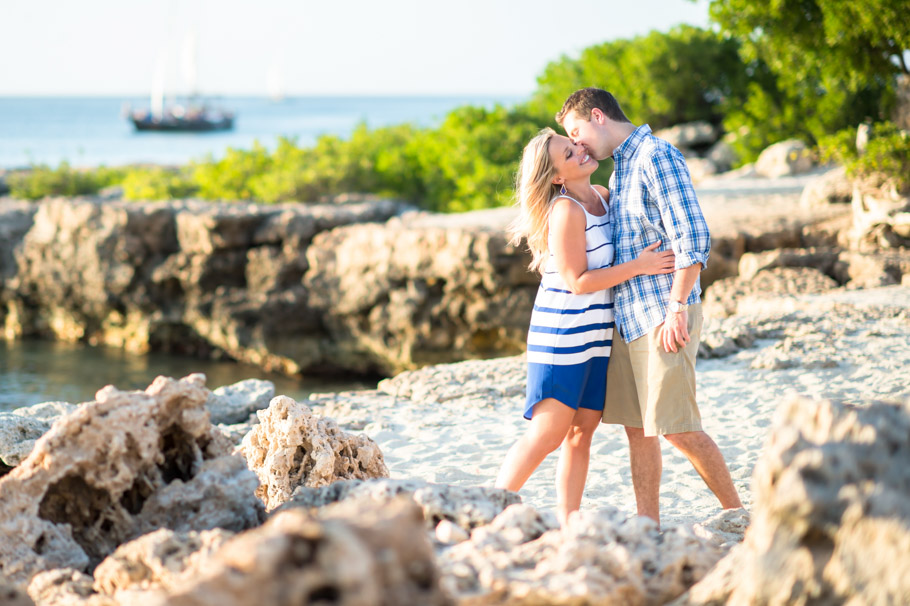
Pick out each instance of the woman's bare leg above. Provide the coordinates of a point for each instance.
(572, 470)
(550, 422)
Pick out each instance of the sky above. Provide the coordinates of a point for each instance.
(301, 47)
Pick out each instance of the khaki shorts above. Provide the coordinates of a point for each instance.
(650, 388)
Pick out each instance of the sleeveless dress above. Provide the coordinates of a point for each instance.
(570, 336)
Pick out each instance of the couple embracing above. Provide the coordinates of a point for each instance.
(617, 319)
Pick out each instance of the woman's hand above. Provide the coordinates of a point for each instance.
(652, 262)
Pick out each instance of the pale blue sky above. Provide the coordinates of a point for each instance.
(498, 47)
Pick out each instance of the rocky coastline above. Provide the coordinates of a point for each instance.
(180, 495)
(377, 287)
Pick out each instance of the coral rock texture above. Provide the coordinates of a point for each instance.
(599, 558)
(292, 447)
(466, 507)
(349, 556)
(117, 468)
(832, 519)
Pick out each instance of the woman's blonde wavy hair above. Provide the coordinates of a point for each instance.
(535, 191)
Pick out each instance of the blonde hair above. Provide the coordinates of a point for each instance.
(535, 191)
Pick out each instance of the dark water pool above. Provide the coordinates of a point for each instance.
(41, 371)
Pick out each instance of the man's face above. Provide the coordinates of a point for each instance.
(586, 133)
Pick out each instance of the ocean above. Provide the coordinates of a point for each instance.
(92, 131)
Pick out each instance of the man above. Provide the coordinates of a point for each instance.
(651, 376)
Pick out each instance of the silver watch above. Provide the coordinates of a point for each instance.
(676, 307)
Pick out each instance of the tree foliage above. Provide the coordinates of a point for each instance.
(663, 79)
(884, 162)
(816, 66)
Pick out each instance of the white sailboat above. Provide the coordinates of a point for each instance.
(191, 116)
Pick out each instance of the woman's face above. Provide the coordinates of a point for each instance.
(571, 161)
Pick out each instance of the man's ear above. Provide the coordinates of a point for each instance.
(598, 116)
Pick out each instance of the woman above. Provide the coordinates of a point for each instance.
(566, 223)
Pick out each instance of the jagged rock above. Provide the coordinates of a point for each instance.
(65, 587)
(467, 507)
(722, 155)
(872, 269)
(824, 260)
(156, 560)
(740, 296)
(598, 558)
(449, 533)
(831, 519)
(701, 168)
(832, 187)
(291, 447)
(503, 378)
(431, 289)
(350, 556)
(119, 467)
(690, 134)
(724, 337)
(790, 157)
(20, 429)
(725, 529)
(881, 218)
(235, 403)
(180, 277)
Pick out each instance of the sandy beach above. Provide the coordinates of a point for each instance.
(453, 424)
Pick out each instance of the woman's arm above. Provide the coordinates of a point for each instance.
(567, 243)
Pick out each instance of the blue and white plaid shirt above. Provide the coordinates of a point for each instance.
(652, 198)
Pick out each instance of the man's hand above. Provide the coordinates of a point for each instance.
(675, 331)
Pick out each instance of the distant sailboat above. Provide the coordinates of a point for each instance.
(191, 116)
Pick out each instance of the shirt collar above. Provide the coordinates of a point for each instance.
(628, 147)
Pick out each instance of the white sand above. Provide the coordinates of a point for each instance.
(844, 344)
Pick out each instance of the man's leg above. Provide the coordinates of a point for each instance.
(647, 465)
(626, 386)
(708, 461)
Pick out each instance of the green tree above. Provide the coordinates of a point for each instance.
(660, 78)
(817, 66)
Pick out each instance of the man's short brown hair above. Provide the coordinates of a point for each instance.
(584, 100)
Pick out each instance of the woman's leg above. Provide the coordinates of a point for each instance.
(572, 470)
(549, 423)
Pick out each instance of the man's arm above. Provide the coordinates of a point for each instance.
(671, 187)
(675, 329)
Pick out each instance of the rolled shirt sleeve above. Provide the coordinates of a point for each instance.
(670, 185)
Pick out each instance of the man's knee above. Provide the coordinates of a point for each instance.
(688, 439)
(635, 434)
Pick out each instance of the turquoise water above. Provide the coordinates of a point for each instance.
(42, 371)
(91, 131)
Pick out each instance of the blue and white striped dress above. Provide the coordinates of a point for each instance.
(570, 337)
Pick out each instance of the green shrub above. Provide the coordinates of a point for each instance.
(40, 181)
(157, 183)
(885, 161)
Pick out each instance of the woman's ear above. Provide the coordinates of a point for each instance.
(558, 180)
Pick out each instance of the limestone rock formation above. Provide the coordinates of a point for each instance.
(599, 558)
(431, 289)
(156, 560)
(465, 507)
(235, 403)
(790, 157)
(881, 218)
(739, 296)
(350, 556)
(434, 384)
(66, 587)
(292, 447)
(20, 429)
(831, 520)
(832, 187)
(184, 276)
(689, 135)
(117, 468)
